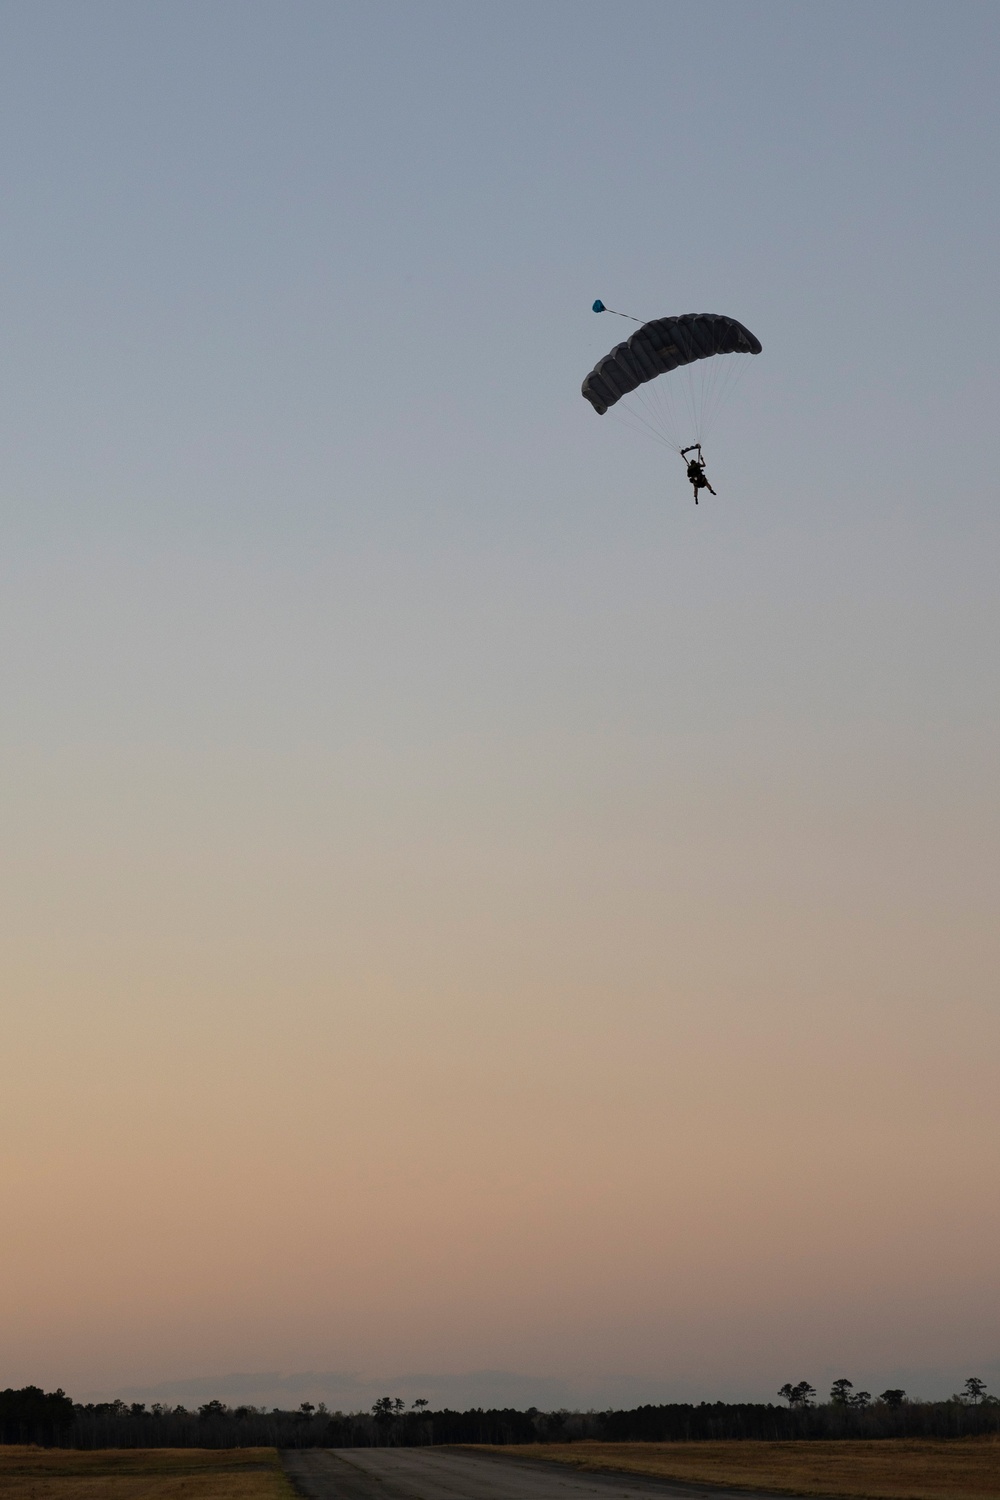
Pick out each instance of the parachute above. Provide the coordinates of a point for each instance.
(659, 347)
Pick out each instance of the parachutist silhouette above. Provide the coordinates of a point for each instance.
(696, 471)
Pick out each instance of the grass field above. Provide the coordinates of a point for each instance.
(142, 1474)
(963, 1469)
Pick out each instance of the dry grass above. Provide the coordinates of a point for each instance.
(142, 1474)
(962, 1469)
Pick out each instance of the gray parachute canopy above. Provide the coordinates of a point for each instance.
(659, 347)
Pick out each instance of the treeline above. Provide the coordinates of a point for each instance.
(215, 1425)
(830, 1420)
(32, 1416)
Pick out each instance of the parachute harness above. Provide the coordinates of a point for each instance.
(696, 470)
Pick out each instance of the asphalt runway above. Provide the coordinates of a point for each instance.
(444, 1474)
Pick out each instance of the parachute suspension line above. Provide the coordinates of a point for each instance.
(721, 384)
(663, 393)
(684, 409)
(599, 307)
(635, 423)
(713, 382)
(692, 373)
(710, 386)
(710, 376)
(656, 398)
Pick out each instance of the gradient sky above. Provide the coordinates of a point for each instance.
(463, 907)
